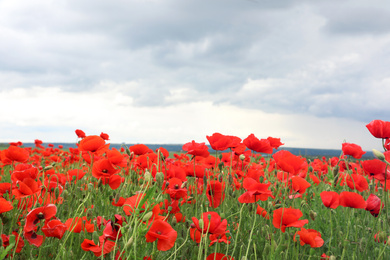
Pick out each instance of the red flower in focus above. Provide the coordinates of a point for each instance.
(330, 199)
(352, 200)
(103, 169)
(379, 128)
(220, 142)
(36, 215)
(25, 188)
(175, 190)
(288, 217)
(196, 149)
(80, 133)
(260, 146)
(165, 234)
(94, 144)
(219, 256)
(211, 225)
(33, 238)
(309, 236)
(105, 136)
(255, 191)
(353, 150)
(374, 205)
(132, 203)
(376, 169)
(54, 228)
(215, 193)
(288, 162)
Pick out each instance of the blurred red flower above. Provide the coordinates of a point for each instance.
(80, 133)
(211, 223)
(374, 205)
(309, 236)
(215, 193)
(288, 162)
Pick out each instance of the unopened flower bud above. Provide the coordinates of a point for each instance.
(379, 155)
(147, 216)
(160, 178)
(148, 176)
(242, 157)
(312, 215)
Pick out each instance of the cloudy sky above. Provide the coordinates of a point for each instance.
(312, 73)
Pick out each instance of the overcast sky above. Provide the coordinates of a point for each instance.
(312, 73)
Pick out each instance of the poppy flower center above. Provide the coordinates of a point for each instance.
(158, 232)
(176, 186)
(104, 171)
(40, 215)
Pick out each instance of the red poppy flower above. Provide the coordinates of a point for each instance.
(5, 205)
(288, 162)
(220, 142)
(80, 133)
(139, 149)
(255, 191)
(260, 146)
(16, 154)
(330, 199)
(215, 193)
(38, 143)
(77, 224)
(376, 169)
(274, 142)
(196, 149)
(262, 212)
(379, 128)
(76, 174)
(288, 217)
(105, 136)
(175, 190)
(357, 181)
(132, 203)
(309, 236)
(353, 150)
(19, 239)
(211, 225)
(219, 256)
(36, 215)
(299, 184)
(103, 169)
(54, 228)
(33, 238)
(352, 200)
(165, 234)
(26, 187)
(374, 205)
(89, 245)
(94, 144)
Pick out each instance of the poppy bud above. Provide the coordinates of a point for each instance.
(267, 249)
(160, 178)
(242, 157)
(147, 216)
(201, 224)
(148, 176)
(332, 257)
(244, 258)
(129, 242)
(95, 237)
(57, 192)
(379, 155)
(312, 215)
(48, 167)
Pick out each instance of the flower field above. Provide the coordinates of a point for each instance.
(256, 201)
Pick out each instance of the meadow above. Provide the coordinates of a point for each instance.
(99, 202)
